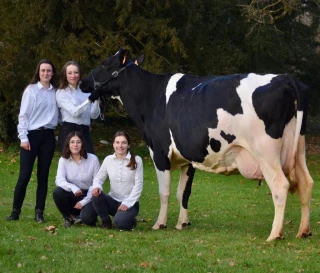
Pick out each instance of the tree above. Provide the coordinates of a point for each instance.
(194, 36)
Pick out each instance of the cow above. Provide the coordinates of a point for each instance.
(248, 123)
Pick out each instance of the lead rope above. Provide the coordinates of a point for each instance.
(104, 108)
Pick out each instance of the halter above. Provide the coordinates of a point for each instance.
(97, 85)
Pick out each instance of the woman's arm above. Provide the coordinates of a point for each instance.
(26, 107)
(95, 170)
(64, 102)
(61, 178)
(101, 176)
(138, 185)
(95, 109)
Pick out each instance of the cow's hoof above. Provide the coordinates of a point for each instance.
(186, 224)
(306, 234)
(278, 238)
(157, 226)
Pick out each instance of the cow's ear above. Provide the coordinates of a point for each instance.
(124, 55)
(139, 60)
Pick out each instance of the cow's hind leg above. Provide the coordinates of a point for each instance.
(304, 188)
(164, 191)
(183, 194)
(279, 186)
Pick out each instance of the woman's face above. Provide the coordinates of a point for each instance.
(75, 145)
(73, 75)
(45, 73)
(120, 146)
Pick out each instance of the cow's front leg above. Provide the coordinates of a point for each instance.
(183, 194)
(164, 191)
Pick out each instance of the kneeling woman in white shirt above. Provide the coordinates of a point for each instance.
(125, 171)
(75, 173)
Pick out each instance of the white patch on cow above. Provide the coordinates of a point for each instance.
(151, 153)
(249, 85)
(196, 86)
(117, 98)
(174, 155)
(172, 85)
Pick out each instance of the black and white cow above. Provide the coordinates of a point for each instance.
(251, 123)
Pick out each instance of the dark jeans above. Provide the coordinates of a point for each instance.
(68, 127)
(105, 205)
(65, 202)
(42, 143)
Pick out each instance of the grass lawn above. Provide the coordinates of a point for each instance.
(230, 216)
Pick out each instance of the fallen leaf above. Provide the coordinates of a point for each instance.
(144, 264)
(50, 229)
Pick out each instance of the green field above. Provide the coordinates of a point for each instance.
(230, 216)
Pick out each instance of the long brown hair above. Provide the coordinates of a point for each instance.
(36, 77)
(66, 153)
(63, 75)
(132, 163)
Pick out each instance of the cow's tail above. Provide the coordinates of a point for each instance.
(302, 102)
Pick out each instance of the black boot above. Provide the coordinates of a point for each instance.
(107, 223)
(14, 215)
(38, 217)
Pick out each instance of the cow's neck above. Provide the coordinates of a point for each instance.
(143, 90)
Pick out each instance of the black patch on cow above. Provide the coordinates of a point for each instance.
(187, 190)
(274, 104)
(192, 109)
(215, 145)
(227, 137)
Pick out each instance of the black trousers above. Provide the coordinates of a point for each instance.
(42, 143)
(105, 205)
(68, 127)
(65, 202)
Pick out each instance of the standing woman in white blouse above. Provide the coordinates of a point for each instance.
(38, 118)
(77, 108)
(75, 173)
(125, 172)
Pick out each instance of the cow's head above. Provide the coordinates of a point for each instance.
(108, 76)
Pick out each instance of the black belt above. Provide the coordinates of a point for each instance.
(74, 124)
(43, 128)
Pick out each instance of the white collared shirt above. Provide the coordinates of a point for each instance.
(75, 106)
(125, 184)
(73, 177)
(38, 109)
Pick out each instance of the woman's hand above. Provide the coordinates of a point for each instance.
(25, 145)
(123, 207)
(96, 192)
(78, 193)
(78, 206)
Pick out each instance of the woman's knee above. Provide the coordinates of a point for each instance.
(58, 192)
(89, 220)
(122, 221)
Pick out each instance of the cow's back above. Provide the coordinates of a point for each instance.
(220, 123)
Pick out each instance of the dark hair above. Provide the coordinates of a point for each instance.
(36, 77)
(63, 75)
(132, 163)
(66, 153)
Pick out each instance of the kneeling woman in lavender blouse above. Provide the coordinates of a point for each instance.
(75, 173)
